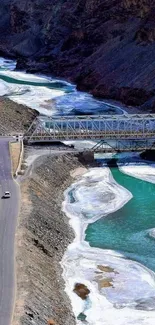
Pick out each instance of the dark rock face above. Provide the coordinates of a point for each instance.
(148, 155)
(106, 47)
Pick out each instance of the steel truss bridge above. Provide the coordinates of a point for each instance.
(110, 132)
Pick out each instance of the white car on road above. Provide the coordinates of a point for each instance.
(6, 195)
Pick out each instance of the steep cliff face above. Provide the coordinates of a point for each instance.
(105, 46)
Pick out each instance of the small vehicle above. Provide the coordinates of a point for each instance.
(6, 195)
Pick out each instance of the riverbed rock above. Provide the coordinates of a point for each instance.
(107, 269)
(51, 322)
(81, 290)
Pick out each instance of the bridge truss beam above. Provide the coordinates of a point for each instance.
(123, 145)
(134, 127)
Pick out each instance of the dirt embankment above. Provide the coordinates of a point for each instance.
(14, 118)
(43, 235)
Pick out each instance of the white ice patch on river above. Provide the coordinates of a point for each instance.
(24, 76)
(36, 97)
(144, 172)
(49, 95)
(92, 197)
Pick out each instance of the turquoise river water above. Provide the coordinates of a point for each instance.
(127, 230)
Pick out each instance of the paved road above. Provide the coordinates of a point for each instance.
(8, 217)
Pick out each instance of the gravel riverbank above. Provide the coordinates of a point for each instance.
(43, 234)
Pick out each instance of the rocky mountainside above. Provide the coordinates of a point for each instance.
(106, 46)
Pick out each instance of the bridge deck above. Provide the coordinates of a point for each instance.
(108, 127)
(64, 136)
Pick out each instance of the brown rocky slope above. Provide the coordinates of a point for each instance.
(43, 234)
(106, 47)
(15, 118)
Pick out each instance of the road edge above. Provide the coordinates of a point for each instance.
(15, 268)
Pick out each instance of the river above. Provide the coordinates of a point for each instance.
(111, 211)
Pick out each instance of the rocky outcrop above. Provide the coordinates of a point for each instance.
(148, 155)
(106, 47)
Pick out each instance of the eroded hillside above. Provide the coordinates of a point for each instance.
(106, 47)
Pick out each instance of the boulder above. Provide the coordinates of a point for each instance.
(81, 290)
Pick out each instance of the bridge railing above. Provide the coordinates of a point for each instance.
(92, 127)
